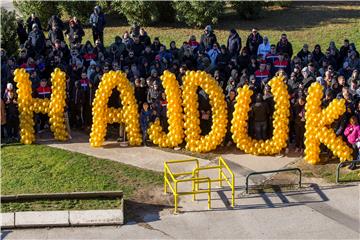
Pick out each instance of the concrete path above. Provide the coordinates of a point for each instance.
(327, 212)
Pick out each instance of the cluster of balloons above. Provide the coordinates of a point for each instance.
(102, 115)
(53, 107)
(194, 140)
(316, 128)
(174, 113)
(281, 115)
(57, 105)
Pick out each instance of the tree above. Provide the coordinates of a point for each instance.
(139, 12)
(198, 13)
(42, 9)
(248, 10)
(80, 9)
(8, 31)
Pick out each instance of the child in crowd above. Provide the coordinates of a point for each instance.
(352, 133)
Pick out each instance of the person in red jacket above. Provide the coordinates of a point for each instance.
(262, 74)
(43, 92)
(281, 63)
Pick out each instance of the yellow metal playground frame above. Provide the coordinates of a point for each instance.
(195, 179)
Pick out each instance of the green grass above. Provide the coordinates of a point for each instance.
(309, 22)
(327, 171)
(43, 169)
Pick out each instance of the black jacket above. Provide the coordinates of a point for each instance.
(234, 44)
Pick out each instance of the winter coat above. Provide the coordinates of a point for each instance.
(284, 47)
(55, 34)
(253, 42)
(213, 53)
(263, 49)
(145, 118)
(234, 44)
(75, 33)
(352, 133)
(260, 112)
(207, 41)
(97, 22)
(37, 40)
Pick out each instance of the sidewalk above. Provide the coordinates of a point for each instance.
(328, 212)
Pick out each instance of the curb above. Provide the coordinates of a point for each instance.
(67, 218)
(62, 218)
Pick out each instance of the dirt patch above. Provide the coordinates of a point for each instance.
(147, 205)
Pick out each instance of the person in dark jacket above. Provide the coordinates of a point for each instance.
(74, 32)
(317, 54)
(31, 21)
(284, 46)
(146, 116)
(55, 20)
(144, 38)
(231, 108)
(208, 39)
(55, 33)
(299, 115)
(36, 40)
(21, 32)
(260, 115)
(304, 53)
(253, 41)
(97, 21)
(234, 43)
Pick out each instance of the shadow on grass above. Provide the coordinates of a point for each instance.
(299, 16)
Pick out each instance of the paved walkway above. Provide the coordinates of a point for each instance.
(330, 212)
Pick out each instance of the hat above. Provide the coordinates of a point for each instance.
(92, 62)
(34, 26)
(153, 71)
(305, 69)
(208, 28)
(9, 86)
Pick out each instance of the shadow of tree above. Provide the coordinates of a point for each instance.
(299, 16)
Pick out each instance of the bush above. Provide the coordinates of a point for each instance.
(42, 9)
(283, 4)
(80, 9)
(198, 14)
(106, 6)
(139, 12)
(166, 11)
(248, 10)
(8, 31)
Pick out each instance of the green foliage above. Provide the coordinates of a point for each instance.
(42, 9)
(79, 9)
(199, 14)
(283, 4)
(166, 10)
(106, 6)
(8, 31)
(248, 10)
(139, 12)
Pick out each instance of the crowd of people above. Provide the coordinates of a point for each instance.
(251, 60)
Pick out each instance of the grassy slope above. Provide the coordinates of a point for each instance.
(42, 169)
(311, 23)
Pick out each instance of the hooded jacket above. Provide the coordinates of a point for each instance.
(234, 44)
